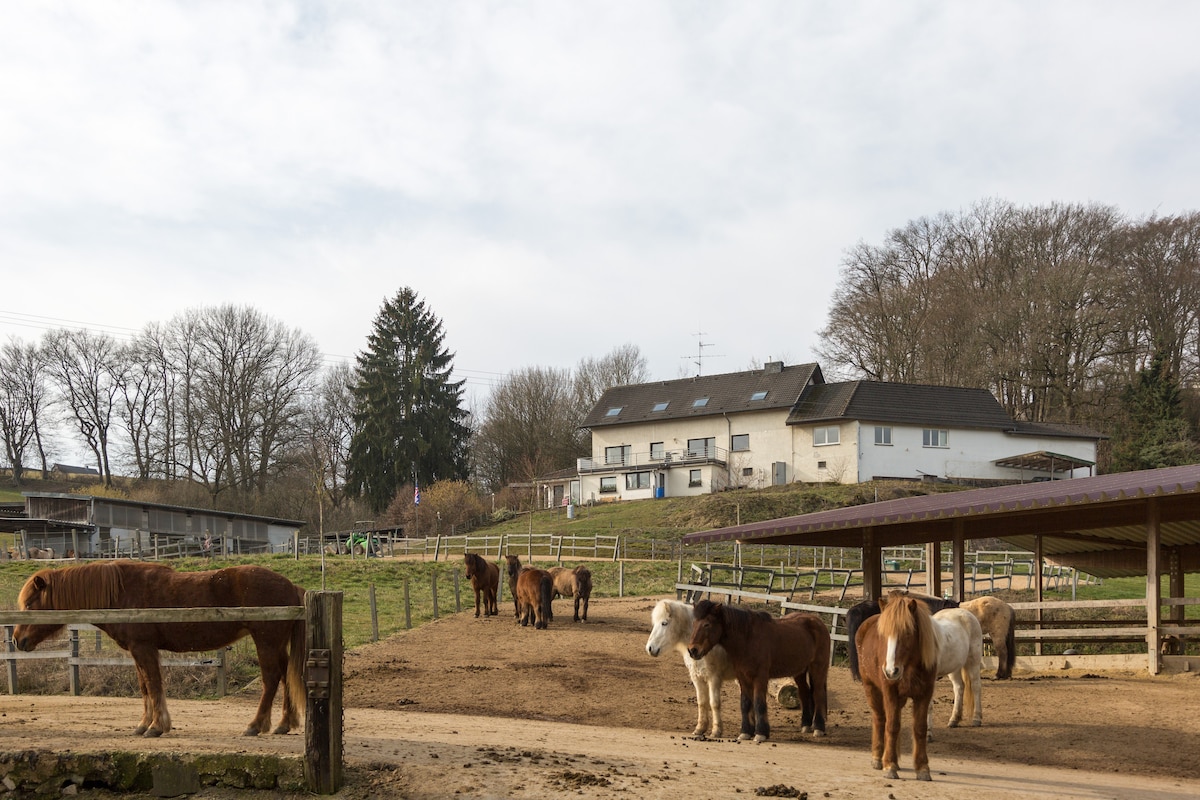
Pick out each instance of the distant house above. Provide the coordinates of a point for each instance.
(783, 424)
(70, 471)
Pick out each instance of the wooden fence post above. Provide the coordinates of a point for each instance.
(323, 680)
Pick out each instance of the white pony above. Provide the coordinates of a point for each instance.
(671, 628)
(960, 653)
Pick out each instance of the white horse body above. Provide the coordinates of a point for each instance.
(671, 629)
(960, 653)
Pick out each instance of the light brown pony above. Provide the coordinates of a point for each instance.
(761, 647)
(535, 590)
(999, 621)
(485, 580)
(137, 584)
(576, 583)
(897, 661)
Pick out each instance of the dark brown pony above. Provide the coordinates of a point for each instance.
(535, 590)
(512, 568)
(761, 647)
(576, 583)
(136, 584)
(889, 682)
(485, 580)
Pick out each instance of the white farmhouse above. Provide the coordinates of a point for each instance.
(783, 424)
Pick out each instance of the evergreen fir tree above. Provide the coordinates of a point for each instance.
(1155, 432)
(408, 419)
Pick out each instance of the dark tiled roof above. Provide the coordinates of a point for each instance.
(914, 404)
(726, 393)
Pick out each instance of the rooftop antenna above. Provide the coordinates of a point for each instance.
(700, 355)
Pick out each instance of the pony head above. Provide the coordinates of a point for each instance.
(36, 595)
(708, 628)
(906, 624)
(513, 566)
(670, 626)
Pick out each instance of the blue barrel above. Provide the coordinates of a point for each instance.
(660, 492)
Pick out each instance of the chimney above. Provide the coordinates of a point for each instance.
(773, 368)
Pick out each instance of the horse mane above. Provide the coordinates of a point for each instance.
(95, 585)
(896, 620)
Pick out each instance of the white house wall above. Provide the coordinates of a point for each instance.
(968, 454)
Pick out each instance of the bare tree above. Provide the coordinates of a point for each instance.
(86, 368)
(24, 405)
(623, 366)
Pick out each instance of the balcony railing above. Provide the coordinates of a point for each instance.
(668, 459)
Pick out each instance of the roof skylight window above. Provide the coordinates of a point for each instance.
(759, 396)
(661, 406)
(614, 411)
(700, 402)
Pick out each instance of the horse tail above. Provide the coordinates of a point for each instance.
(547, 597)
(1005, 666)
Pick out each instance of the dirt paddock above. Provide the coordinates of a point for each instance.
(466, 707)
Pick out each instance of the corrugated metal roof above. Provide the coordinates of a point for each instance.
(1105, 515)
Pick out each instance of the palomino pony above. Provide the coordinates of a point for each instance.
(897, 662)
(535, 590)
(136, 584)
(576, 583)
(671, 629)
(762, 647)
(869, 608)
(998, 621)
(485, 580)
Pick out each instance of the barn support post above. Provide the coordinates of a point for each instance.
(1153, 584)
(323, 681)
(872, 567)
(1037, 569)
(933, 568)
(959, 570)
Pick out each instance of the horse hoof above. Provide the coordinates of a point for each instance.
(280, 730)
(139, 730)
(251, 731)
(953, 724)
(759, 739)
(876, 764)
(817, 734)
(744, 737)
(892, 773)
(975, 723)
(923, 775)
(152, 733)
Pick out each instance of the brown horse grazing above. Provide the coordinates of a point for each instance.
(535, 590)
(576, 583)
(998, 620)
(761, 647)
(485, 580)
(897, 660)
(512, 568)
(137, 584)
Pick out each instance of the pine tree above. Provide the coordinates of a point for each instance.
(408, 419)
(1155, 432)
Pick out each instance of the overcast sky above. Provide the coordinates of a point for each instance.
(553, 179)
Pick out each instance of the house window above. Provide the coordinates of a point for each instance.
(740, 442)
(657, 451)
(821, 465)
(693, 477)
(700, 402)
(747, 472)
(637, 480)
(830, 434)
(617, 455)
(883, 434)
(758, 396)
(661, 406)
(608, 485)
(614, 411)
(933, 437)
(702, 448)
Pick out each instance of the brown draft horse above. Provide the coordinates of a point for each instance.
(897, 656)
(485, 580)
(535, 590)
(576, 583)
(761, 647)
(136, 584)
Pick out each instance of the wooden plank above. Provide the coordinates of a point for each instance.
(107, 616)
(1079, 633)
